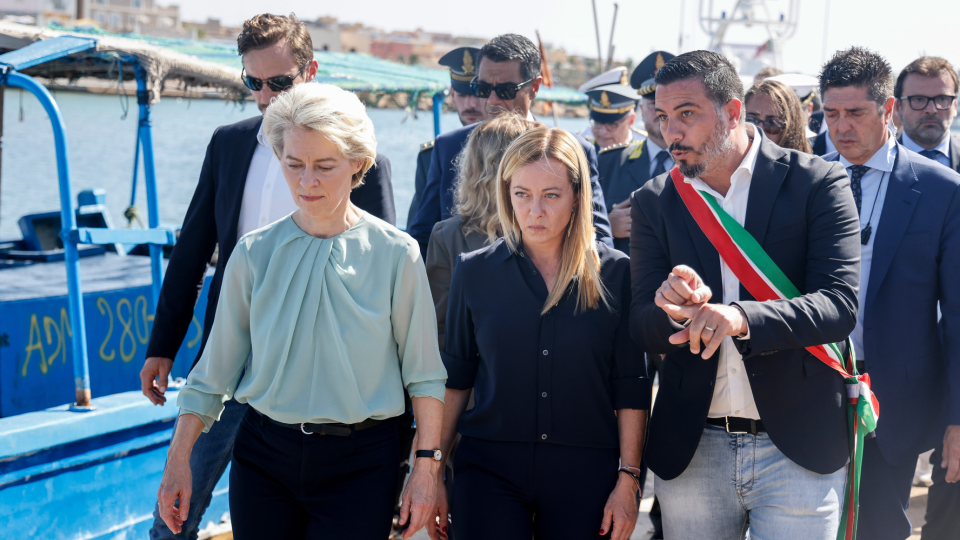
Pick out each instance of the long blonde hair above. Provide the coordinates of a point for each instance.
(476, 188)
(579, 260)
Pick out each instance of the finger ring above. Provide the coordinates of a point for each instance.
(708, 328)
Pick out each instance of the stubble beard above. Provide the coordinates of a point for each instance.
(717, 145)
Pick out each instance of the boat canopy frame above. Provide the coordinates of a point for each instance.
(85, 49)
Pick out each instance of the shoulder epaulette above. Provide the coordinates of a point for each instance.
(613, 147)
(427, 145)
(640, 132)
(638, 150)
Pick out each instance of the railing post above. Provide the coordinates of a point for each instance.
(438, 99)
(150, 180)
(81, 370)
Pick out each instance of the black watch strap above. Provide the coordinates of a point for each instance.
(432, 454)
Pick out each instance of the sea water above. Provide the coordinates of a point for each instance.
(101, 146)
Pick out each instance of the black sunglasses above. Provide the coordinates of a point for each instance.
(506, 91)
(771, 126)
(919, 103)
(277, 84)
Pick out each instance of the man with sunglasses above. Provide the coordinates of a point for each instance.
(241, 188)
(909, 220)
(926, 102)
(463, 68)
(508, 78)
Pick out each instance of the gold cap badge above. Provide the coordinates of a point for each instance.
(467, 63)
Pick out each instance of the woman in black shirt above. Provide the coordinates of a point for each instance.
(538, 326)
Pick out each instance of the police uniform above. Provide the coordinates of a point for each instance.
(463, 68)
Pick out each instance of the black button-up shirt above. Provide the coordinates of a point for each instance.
(555, 378)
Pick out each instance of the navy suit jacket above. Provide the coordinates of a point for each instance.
(213, 218)
(436, 202)
(801, 211)
(620, 176)
(916, 256)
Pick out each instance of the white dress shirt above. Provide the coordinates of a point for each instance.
(732, 395)
(266, 197)
(943, 149)
(873, 189)
(654, 149)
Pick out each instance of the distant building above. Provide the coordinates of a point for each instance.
(325, 33)
(357, 38)
(38, 12)
(138, 16)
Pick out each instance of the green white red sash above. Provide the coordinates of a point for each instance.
(765, 281)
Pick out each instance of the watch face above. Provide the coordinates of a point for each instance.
(437, 455)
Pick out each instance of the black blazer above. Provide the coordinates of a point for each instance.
(801, 211)
(213, 218)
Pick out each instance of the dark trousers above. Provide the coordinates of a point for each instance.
(884, 495)
(515, 490)
(943, 504)
(285, 484)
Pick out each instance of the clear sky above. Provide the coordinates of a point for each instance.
(900, 30)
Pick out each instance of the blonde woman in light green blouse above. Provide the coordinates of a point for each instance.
(332, 307)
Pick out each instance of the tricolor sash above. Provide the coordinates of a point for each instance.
(765, 281)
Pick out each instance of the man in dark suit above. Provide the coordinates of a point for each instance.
(462, 63)
(926, 103)
(241, 188)
(909, 210)
(749, 429)
(508, 78)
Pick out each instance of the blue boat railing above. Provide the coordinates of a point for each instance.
(52, 49)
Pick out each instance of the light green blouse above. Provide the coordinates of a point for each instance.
(337, 328)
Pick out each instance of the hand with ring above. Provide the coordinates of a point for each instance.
(709, 323)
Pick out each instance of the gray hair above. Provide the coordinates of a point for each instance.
(330, 111)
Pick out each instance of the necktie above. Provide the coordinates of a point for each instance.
(661, 163)
(856, 174)
(930, 154)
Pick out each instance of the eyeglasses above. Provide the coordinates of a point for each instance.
(603, 126)
(277, 84)
(505, 91)
(771, 126)
(919, 103)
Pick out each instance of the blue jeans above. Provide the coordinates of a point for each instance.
(210, 456)
(739, 484)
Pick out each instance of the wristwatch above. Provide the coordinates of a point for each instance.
(432, 454)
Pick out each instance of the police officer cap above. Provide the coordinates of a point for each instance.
(463, 68)
(611, 98)
(643, 77)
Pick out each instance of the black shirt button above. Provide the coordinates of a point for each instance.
(546, 352)
(544, 436)
(543, 394)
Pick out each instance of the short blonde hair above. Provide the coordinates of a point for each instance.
(330, 111)
(579, 260)
(477, 165)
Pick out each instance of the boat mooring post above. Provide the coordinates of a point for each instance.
(438, 99)
(81, 369)
(150, 180)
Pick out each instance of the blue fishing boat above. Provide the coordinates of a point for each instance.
(81, 450)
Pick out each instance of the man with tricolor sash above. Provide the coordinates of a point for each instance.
(909, 221)
(745, 266)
